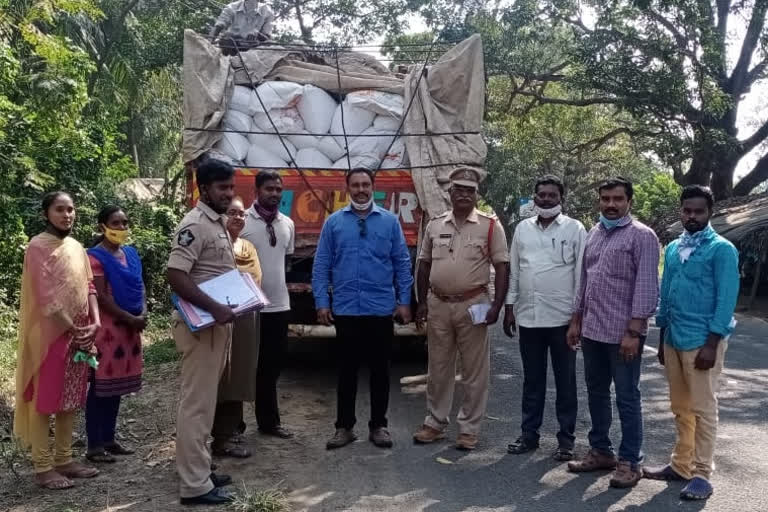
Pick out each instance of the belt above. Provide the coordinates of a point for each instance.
(461, 297)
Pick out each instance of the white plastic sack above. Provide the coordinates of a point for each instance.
(386, 124)
(395, 157)
(382, 103)
(370, 146)
(367, 162)
(356, 121)
(287, 120)
(243, 100)
(258, 156)
(272, 144)
(312, 158)
(316, 108)
(277, 94)
(218, 155)
(238, 121)
(328, 146)
(304, 141)
(233, 145)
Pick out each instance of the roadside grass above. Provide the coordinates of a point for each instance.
(270, 500)
(159, 347)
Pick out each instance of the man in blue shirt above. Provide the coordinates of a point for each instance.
(361, 277)
(699, 291)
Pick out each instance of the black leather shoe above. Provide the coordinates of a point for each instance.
(522, 446)
(277, 431)
(216, 496)
(220, 480)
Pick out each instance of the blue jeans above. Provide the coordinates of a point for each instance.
(604, 365)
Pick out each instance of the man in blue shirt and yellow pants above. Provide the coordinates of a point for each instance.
(362, 266)
(699, 291)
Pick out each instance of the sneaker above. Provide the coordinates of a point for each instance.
(341, 438)
(427, 434)
(665, 473)
(592, 461)
(380, 437)
(626, 475)
(697, 489)
(466, 442)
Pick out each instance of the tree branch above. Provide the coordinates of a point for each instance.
(600, 100)
(723, 7)
(680, 39)
(738, 83)
(756, 73)
(599, 142)
(754, 140)
(755, 177)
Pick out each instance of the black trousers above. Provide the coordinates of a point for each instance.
(363, 340)
(100, 419)
(227, 421)
(274, 329)
(534, 345)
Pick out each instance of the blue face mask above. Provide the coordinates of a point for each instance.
(608, 223)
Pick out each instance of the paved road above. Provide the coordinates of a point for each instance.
(411, 478)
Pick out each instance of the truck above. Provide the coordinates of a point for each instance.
(440, 132)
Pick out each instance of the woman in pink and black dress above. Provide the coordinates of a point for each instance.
(117, 276)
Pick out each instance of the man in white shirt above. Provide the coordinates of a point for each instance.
(272, 233)
(246, 21)
(545, 259)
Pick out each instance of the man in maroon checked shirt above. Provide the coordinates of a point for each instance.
(619, 293)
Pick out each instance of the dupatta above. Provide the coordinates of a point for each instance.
(55, 279)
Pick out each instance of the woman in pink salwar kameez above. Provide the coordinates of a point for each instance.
(59, 316)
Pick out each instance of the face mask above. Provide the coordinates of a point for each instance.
(362, 206)
(608, 223)
(116, 236)
(548, 213)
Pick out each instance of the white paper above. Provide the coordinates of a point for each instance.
(228, 288)
(478, 312)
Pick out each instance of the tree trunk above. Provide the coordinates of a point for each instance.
(710, 169)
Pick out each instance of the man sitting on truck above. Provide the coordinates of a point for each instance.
(360, 254)
(246, 21)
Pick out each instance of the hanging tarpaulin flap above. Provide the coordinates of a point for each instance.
(449, 98)
(207, 85)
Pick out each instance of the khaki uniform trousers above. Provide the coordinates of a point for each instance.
(204, 357)
(451, 334)
(693, 397)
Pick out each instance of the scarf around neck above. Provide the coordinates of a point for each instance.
(689, 242)
(269, 215)
(126, 281)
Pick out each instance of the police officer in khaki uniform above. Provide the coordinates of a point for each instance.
(457, 252)
(202, 250)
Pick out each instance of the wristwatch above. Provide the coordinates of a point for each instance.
(633, 334)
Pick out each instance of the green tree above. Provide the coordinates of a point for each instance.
(656, 197)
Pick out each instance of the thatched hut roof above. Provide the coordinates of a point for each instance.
(742, 220)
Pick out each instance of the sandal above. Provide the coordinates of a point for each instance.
(101, 457)
(230, 450)
(53, 481)
(563, 454)
(76, 470)
(117, 449)
(697, 489)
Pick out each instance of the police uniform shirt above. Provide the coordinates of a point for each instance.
(460, 255)
(201, 247)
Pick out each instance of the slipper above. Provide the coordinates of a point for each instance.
(665, 473)
(100, 457)
(229, 450)
(56, 482)
(77, 470)
(697, 489)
